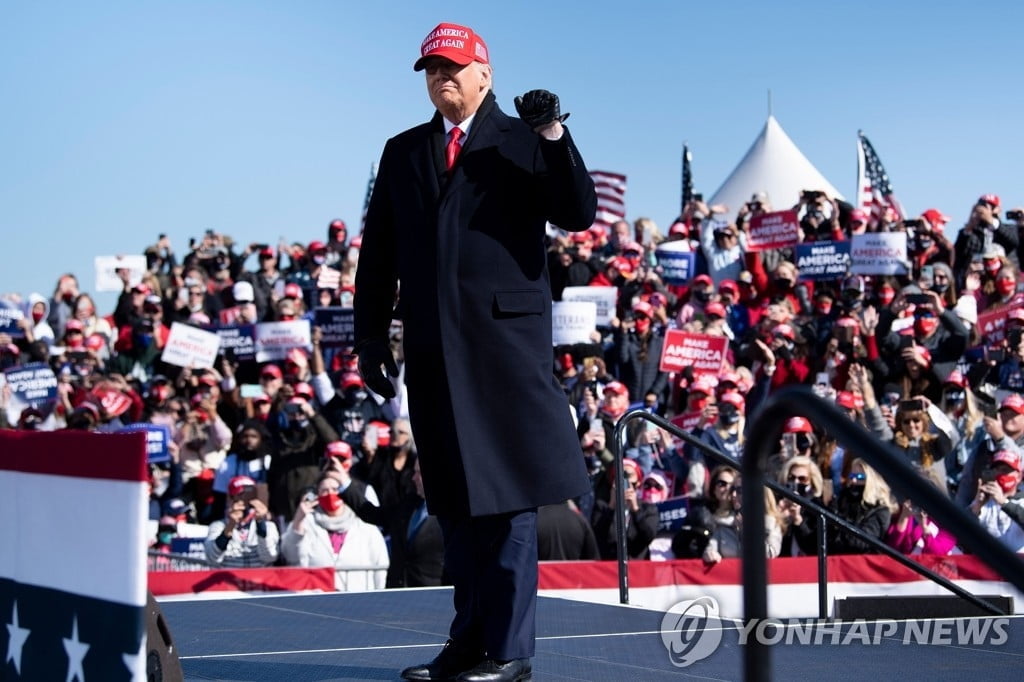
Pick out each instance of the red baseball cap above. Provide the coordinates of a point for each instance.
(858, 216)
(957, 378)
(644, 308)
(784, 330)
(238, 484)
(459, 44)
(714, 308)
(316, 245)
(339, 448)
(733, 398)
(936, 217)
(797, 425)
(706, 279)
(846, 400)
(1013, 402)
(728, 285)
(617, 388)
(1007, 457)
(271, 370)
(350, 379)
(292, 290)
(990, 199)
(303, 389)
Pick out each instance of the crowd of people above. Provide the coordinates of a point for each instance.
(296, 462)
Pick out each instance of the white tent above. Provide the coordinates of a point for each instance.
(775, 165)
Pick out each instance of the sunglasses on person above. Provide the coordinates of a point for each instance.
(798, 479)
(857, 478)
(652, 485)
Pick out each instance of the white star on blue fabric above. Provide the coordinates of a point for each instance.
(136, 662)
(76, 651)
(16, 640)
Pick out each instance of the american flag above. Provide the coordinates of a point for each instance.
(369, 192)
(611, 197)
(687, 194)
(874, 190)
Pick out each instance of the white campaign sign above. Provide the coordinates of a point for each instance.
(604, 298)
(573, 321)
(275, 339)
(879, 253)
(107, 267)
(190, 347)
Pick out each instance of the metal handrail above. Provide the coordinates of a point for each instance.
(783, 491)
(890, 463)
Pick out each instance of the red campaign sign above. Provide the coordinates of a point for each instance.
(688, 421)
(992, 321)
(706, 354)
(773, 231)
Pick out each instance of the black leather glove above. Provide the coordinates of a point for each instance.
(539, 107)
(372, 356)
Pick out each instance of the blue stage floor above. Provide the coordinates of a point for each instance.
(372, 636)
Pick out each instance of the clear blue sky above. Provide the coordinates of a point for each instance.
(122, 120)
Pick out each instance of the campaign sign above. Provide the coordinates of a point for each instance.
(676, 262)
(823, 260)
(275, 339)
(10, 315)
(773, 231)
(992, 321)
(879, 253)
(32, 385)
(604, 298)
(706, 354)
(573, 321)
(157, 438)
(240, 340)
(107, 278)
(337, 327)
(189, 346)
(672, 513)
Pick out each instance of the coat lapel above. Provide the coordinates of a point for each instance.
(488, 126)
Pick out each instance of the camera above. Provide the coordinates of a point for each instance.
(1014, 215)
(988, 475)
(911, 406)
(913, 223)
(700, 197)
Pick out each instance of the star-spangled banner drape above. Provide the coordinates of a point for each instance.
(874, 189)
(73, 565)
(611, 197)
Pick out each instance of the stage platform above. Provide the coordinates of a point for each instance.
(373, 635)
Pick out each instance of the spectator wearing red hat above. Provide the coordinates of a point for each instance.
(641, 517)
(337, 246)
(1005, 432)
(203, 439)
(936, 329)
(927, 244)
(246, 537)
(84, 310)
(983, 227)
(636, 349)
(585, 265)
(780, 360)
(998, 504)
(701, 292)
(737, 314)
(264, 279)
(783, 283)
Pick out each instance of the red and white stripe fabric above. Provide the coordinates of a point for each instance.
(611, 197)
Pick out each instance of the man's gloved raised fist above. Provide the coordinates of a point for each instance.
(538, 108)
(372, 356)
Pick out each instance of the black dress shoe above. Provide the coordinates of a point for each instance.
(446, 665)
(516, 670)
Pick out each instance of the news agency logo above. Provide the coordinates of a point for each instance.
(692, 630)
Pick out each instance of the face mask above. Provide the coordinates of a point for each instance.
(885, 296)
(802, 489)
(924, 326)
(37, 315)
(702, 295)
(940, 288)
(728, 415)
(824, 308)
(160, 393)
(319, 260)
(164, 538)
(1008, 482)
(1005, 287)
(330, 503)
(652, 495)
(643, 325)
(992, 266)
(854, 492)
(925, 243)
(783, 283)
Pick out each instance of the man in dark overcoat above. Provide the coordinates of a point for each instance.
(454, 247)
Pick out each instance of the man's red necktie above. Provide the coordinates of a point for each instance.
(451, 152)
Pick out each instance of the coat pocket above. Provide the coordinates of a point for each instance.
(519, 302)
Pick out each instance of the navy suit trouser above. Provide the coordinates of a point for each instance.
(492, 563)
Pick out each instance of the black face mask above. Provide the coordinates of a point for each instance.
(940, 288)
(783, 283)
(703, 295)
(728, 414)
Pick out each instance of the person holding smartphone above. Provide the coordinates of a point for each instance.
(998, 504)
(246, 537)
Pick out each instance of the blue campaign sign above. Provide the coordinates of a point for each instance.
(32, 385)
(823, 260)
(10, 314)
(157, 438)
(677, 267)
(240, 340)
(336, 325)
(192, 547)
(672, 513)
